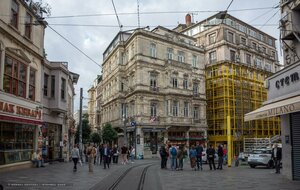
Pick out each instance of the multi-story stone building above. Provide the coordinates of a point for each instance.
(154, 84)
(93, 111)
(238, 58)
(21, 58)
(58, 106)
(283, 89)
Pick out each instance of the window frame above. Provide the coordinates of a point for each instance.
(52, 91)
(153, 50)
(14, 14)
(170, 53)
(185, 83)
(28, 26)
(215, 56)
(175, 105)
(63, 88)
(186, 109)
(180, 57)
(153, 109)
(212, 38)
(32, 85)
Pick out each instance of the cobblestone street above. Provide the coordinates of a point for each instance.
(61, 176)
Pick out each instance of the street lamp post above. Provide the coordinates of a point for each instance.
(125, 130)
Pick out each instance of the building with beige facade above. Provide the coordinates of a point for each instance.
(153, 88)
(238, 59)
(21, 59)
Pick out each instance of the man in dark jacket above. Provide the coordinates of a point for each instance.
(106, 155)
(220, 156)
(211, 157)
(277, 155)
(199, 150)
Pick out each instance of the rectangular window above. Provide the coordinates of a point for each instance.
(52, 86)
(186, 109)
(259, 62)
(175, 108)
(63, 88)
(153, 50)
(232, 55)
(212, 38)
(174, 82)
(32, 79)
(194, 61)
(153, 108)
(253, 45)
(28, 24)
(212, 57)
(122, 86)
(195, 88)
(230, 37)
(169, 53)
(180, 56)
(196, 112)
(248, 59)
(14, 14)
(15, 73)
(264, 49)
(153, 81)
(243, 41)
(167, 107)
(185, 83)
(46, 79)
(270, 42)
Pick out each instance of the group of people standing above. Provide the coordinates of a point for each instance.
(96, 155)
(176, 155)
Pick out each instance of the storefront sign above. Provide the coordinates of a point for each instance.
(281, 110)
(286, 81)
(20, 111)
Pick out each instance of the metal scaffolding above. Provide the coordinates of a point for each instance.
(233, 90)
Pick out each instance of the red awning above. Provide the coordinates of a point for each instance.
(20, 120)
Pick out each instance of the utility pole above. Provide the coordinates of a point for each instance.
(80, 124)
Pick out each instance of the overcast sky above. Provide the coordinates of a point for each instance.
(93, 40)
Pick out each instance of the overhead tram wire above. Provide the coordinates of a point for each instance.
(265, 13)
(74, 46)
(269, 19)
(159, 12)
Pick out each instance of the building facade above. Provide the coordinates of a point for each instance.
(283, 89)
(153, 89)
(93, 112)
(58, 103)
(21, 58)
(238, 58)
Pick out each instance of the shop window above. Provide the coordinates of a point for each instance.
(14, 77)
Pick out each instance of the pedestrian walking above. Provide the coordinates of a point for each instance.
(180, 156)
(106, 155)
(85, 154)
(164, 157)
(91, 154)
(211, 157)
(95, 155)
(124, 151)
(75, 156)
(277, 155)
(173, 156)
(193, 157)
(199, 150)
(101, 153)
(115, 154)
(132, 154)
(220, 156)
(224, 155)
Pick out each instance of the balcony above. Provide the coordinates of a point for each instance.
(175, 63)
(154, 89)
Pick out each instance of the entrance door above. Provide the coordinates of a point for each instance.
(153, 142)
(295, 125)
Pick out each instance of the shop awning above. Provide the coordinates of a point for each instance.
(20, 120)
(275, 109)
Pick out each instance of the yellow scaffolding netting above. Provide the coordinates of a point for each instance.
(234, 90)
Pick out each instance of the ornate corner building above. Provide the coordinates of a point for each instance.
(153, 88)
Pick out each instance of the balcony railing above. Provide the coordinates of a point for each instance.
(154, 88)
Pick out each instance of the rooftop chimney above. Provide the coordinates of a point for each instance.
(188, 19)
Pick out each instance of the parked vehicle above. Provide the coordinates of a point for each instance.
(261, 157)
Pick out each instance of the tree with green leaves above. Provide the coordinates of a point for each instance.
(96, 138)
(109, 134)
(86, 130)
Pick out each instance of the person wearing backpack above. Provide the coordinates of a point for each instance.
(193, 156)
(199, 150)
(173, 156)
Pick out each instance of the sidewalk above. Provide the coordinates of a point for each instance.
(58, 176)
